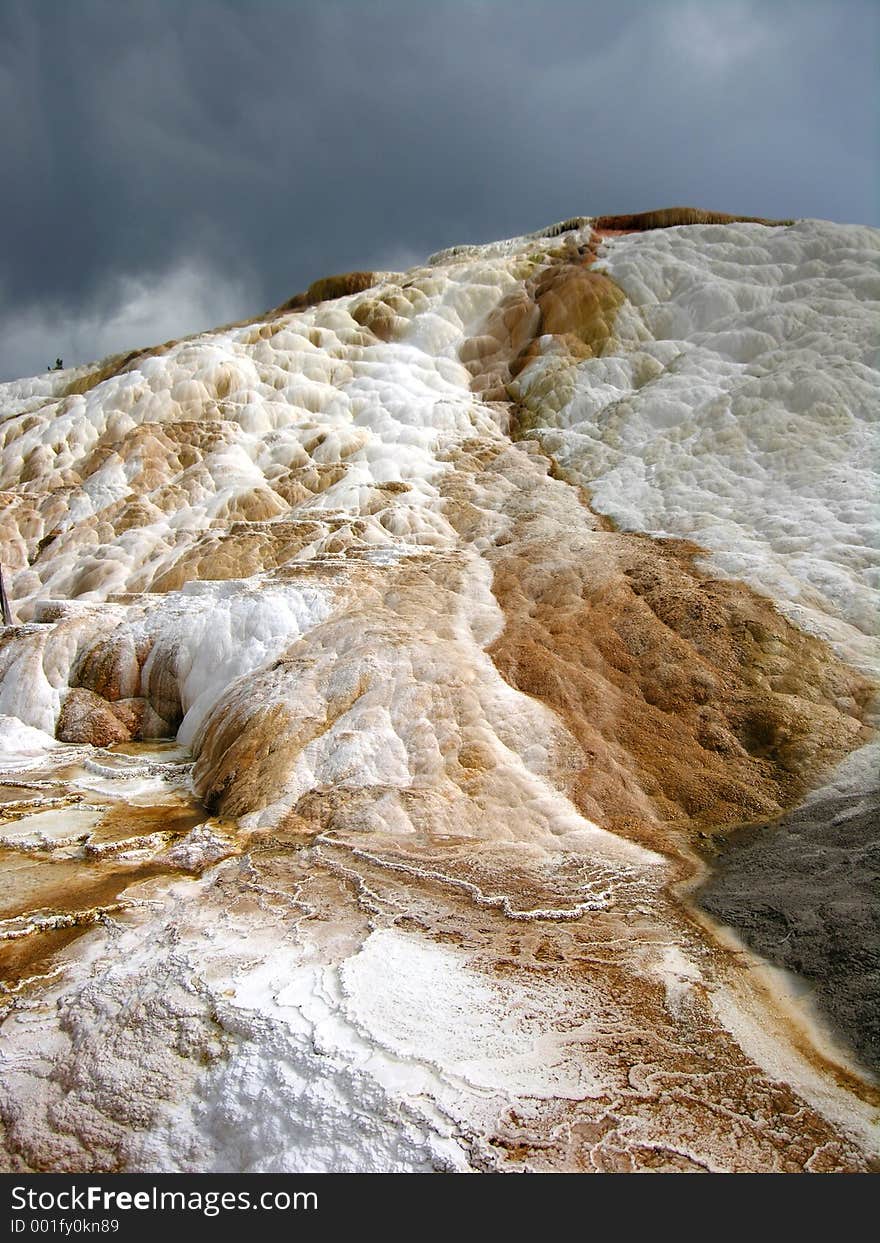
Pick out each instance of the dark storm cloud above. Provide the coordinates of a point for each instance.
(170, 165)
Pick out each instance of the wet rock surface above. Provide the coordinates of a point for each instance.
(804, 891)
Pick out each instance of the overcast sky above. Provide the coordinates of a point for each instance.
(168, 165)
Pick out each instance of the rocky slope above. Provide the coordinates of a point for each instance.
(484, 603)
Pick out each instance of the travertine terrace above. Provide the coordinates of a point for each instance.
(389, 675)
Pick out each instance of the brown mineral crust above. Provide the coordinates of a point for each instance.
(217, 556)
(691, 691)
(328, 288)
(130, 714)
(245, 754)
(385, 316)
(108, 676)
(671, 217)
(86, 717)
(109, 667)
(564, 300)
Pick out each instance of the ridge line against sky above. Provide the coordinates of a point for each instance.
(170, 167)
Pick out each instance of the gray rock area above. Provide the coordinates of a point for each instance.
(804, 891)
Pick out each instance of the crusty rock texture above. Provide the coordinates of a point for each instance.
(503, 613)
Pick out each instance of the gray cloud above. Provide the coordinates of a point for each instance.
(129, 310)
(255, 145)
